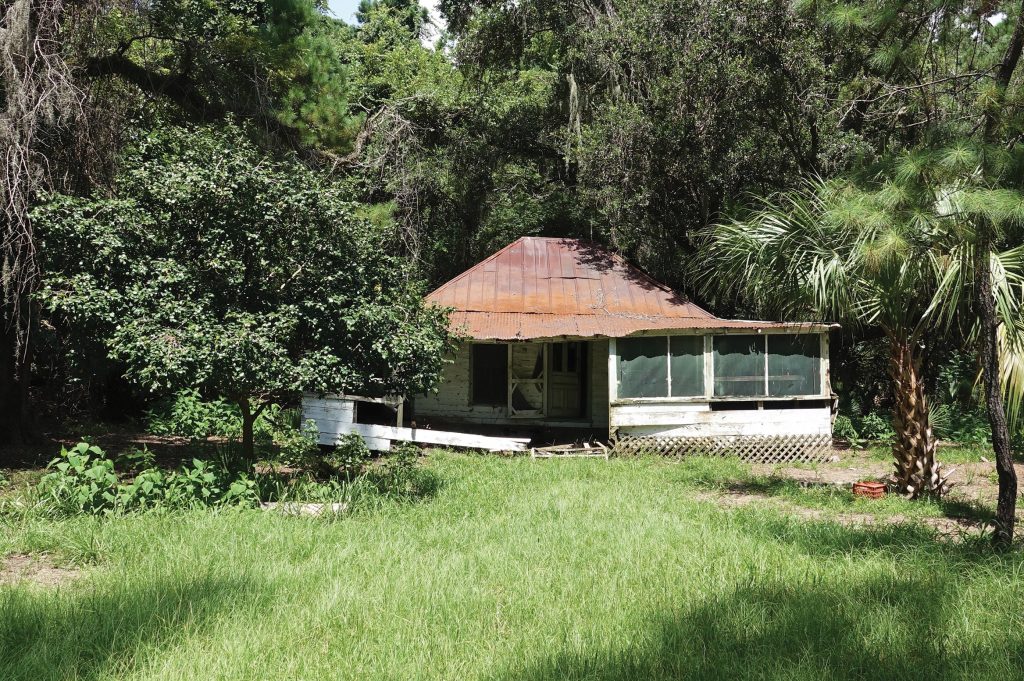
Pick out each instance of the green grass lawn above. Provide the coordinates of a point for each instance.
(516, 570)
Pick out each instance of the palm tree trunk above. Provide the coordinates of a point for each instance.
(1006, 506)
(917, 472)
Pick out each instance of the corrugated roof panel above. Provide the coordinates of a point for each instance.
(548, 288)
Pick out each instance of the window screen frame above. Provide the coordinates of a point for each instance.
(667, 355)
(667, 374)
(823, 389)
(820, 373)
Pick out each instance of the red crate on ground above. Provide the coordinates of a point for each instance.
(870, 489)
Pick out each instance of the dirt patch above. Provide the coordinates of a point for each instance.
(957, 528)
(843, 472)
(39, 570)
(972, 481)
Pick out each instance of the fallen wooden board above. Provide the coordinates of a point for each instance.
(595, 451)
(303, 508)
(375, 434)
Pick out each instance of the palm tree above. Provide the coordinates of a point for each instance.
(891, 251)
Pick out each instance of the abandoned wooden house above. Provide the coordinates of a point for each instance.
(561, 333)
(564, 336)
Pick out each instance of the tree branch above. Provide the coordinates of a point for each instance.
(178, 89)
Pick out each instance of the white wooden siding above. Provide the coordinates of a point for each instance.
(328, 408)
(697, 419)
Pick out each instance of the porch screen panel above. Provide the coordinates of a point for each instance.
(643, 367)
(490, 374)
(794, 365)
(739, 366)
(686, 365)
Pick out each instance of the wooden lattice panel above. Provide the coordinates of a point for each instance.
(751, 449)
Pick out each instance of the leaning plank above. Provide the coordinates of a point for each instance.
(420, 435)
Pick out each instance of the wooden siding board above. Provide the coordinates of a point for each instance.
(657, 420)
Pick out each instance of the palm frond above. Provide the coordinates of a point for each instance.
(1011, 371)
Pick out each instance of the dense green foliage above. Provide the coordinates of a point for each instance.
(250, 279)
(520, 570)
(242, 200)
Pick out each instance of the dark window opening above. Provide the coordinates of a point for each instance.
(490, 374)
(796, 404)
(734, 406)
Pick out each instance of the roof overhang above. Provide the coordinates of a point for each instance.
(516, 326)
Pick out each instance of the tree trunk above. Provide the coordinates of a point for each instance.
(15, 419)
(917, 471)
(248, 420)
(1006, 506)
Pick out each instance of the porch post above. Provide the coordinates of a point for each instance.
(613, 382)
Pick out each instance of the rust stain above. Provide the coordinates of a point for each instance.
(549, 288)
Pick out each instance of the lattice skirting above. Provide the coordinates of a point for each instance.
(750, 448)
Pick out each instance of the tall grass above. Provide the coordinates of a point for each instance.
(517, 570)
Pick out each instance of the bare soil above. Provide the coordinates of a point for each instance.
(954, 527)
(972, 497)
(38, 570)
(973, 482)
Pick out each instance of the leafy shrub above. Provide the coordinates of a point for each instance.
(277, 423)
(968, 427)
(351, 455)
(874, 428)
(844, 429)
(401, 477)
(188, 415)
(83, 480)
(300, 447)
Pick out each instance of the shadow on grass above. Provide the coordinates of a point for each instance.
(90, 633)
(911, 540)
(967, 509)
(889, 627)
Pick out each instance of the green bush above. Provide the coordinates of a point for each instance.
(401, 477)
(299, 447)
(968, 427)
(844, 429)
(188, 415)
(874, 427)
(84, 480)
(351, 455)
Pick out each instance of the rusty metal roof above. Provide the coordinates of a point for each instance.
(549, 288)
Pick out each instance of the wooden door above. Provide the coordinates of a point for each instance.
(527, 380)
(566, 374)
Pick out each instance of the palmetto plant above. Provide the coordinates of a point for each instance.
(893, 251)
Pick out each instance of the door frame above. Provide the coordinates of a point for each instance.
(543, 380)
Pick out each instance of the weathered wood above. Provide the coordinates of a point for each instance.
(688, 419)
(751, 449)
(594, 451)
(452, 401)
(334, 430)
